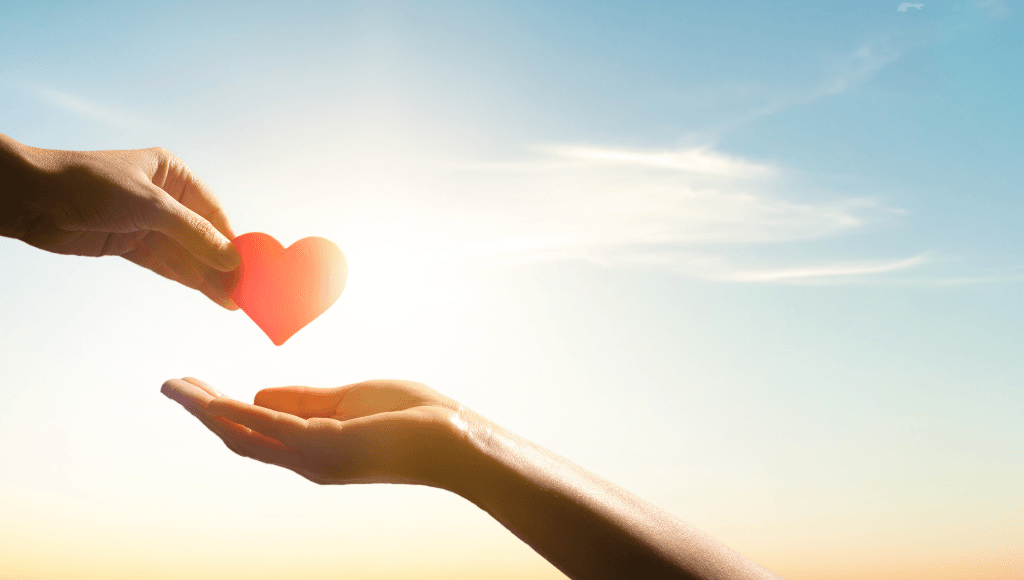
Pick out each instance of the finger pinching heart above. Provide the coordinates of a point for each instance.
(282, 290)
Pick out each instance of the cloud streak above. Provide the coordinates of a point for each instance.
(700, 160)
(839, 76)
(992, 8)
(82, 108)
(824, 272)
(693, 211)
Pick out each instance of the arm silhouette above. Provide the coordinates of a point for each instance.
(144, 205)
(387, 431)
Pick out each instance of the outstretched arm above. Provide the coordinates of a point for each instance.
(144, 205)
(403, 432)
(586, 526)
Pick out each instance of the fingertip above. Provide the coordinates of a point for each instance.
(166, 389)
(228, 257)
(301, 401)
(172, 389)
(226, 303)
(264, 398)
(284, 399)
(271, 393)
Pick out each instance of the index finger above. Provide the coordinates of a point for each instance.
(190, 230)
(185, 186)
(198, 197)
(284, 427)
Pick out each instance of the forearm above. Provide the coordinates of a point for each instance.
(17, 186)
(584, 525)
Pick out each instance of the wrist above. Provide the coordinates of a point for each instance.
(460, 456)
(478, 461)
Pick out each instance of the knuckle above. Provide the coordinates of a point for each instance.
(161, 153)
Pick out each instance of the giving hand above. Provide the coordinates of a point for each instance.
(144, 205)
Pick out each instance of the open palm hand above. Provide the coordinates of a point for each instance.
(380, 431)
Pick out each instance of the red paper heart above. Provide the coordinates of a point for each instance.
(284, 290)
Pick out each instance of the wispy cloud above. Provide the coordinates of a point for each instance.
(691, 160)
(81, 107)
(853, 69)
(692, 211)
(622, 197)
(839, 75)
(824, 272)
(993, 8)
(720, 266)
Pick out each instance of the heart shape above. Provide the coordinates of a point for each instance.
(283, 290)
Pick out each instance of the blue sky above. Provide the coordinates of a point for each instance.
(758, 262)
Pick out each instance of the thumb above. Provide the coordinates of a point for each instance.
(192, 232)
(305, 402)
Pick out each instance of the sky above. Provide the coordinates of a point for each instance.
(758, 263)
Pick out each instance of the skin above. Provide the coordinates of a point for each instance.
(144, 205)
(386, 431)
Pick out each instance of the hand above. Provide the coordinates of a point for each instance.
(371, 432)
(143, 205)
(404, 432)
